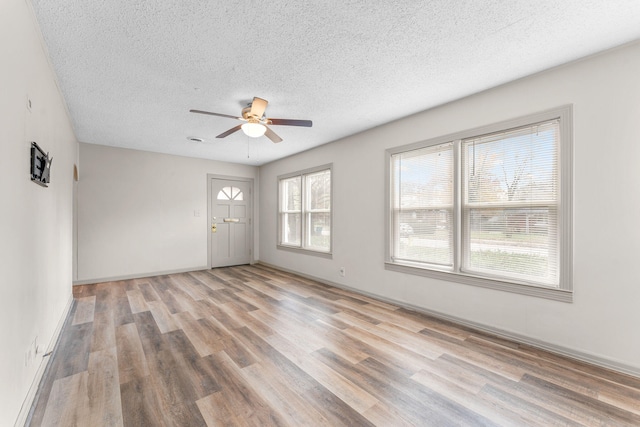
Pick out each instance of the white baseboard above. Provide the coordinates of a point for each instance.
(44, 362)
(553, 348)
(136, 276)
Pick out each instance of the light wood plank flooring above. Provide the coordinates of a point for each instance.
(253, 346)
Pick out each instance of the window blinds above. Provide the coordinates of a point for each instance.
(423, 205)
(510, 204)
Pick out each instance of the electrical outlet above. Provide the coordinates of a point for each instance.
(342, 272)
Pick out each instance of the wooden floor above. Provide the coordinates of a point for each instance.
(251, 345)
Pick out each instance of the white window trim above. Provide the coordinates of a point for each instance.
(565, 291)
(301, 249)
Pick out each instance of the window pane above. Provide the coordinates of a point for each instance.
(512, 167)
(290, 229)
(319, 190)
(510, 204)
(423, 205)
(224, 194)
(236, 193)
(290, 207)
(319, 232)
(230, 193)
(291, 194)
(427, 237)
(318, 224)
(515, 242)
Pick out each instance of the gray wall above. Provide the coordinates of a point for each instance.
(601, 323)
(35, 222)
(136, 212)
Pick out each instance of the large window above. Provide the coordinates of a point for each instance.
(423, 205)
(490, 206)
(305, 210)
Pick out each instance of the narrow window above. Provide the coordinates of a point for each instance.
(305, 210)
(423, 205)
(291, 211)
(510, 204)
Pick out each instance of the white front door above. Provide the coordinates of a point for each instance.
(230, 222)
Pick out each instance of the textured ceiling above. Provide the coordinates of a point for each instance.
(130, 70)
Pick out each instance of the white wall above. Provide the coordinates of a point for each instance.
(35, 222)
(136, 212)
(602, 322)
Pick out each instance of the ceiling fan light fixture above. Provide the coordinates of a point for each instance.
(254, 130)
(255, 127)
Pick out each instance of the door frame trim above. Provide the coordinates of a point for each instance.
(211, 176)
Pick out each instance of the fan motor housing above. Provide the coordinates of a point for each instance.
(246, 113)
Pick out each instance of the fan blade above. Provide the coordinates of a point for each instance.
(291, 122)
(215, 114)
(229, 132)
(258, 105)
(272, 135)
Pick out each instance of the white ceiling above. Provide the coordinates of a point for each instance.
(130, 70)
